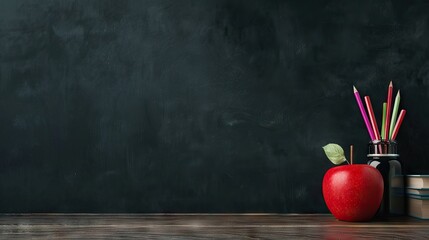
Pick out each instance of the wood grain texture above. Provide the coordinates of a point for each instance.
(204, 226)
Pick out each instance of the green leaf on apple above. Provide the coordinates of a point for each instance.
(335, 153)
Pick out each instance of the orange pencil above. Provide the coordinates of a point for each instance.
(372, 118)
(398, 124)
(388, 109)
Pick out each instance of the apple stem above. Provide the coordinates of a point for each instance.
(351, 154)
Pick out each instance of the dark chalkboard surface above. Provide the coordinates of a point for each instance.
(198, 106)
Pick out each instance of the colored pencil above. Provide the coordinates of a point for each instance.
(383, 120)
(372, 117)
(398, 124)
(394, 113)
(362, 111)
(389, 106)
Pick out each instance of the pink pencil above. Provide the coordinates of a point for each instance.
(398, 124)
(372, 117)
(362, 111)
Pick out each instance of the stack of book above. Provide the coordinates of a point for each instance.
(417, 192)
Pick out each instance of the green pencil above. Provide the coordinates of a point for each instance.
(383, 120)
(394, 114)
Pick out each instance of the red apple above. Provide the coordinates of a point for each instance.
(353, 192)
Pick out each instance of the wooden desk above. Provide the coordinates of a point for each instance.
(203, 226)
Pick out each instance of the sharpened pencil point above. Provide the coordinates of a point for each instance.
(354, 89)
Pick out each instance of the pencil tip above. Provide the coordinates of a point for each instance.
(354, 88)
(391, 84)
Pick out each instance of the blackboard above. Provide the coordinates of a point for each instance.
(198, 106)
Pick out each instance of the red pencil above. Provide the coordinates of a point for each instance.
(372, 118)
(389, 106)
(398, 124)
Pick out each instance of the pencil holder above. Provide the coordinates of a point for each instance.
(383, 149)
(383, 155)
